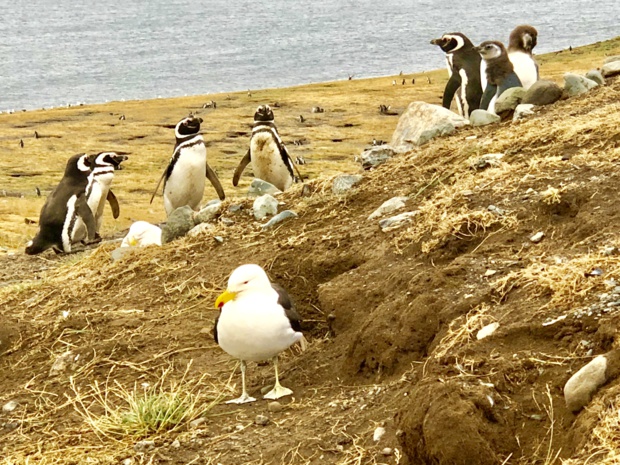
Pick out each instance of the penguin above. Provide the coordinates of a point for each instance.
(463, 62)
(499, 72)
(184, 177)
(522, 40)
(270, 159)
(63, 208)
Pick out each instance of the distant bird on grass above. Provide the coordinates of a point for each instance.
(257, 321)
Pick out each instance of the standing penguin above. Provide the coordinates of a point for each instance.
(63, 210)
(270, 159)
(184, 177)
(463, 61)
(522, 40)
(499, 72)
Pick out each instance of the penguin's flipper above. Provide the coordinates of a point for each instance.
(512, 80)
(158, 183)
(451, 87)
(116, 210)
(242, 164)
(211, 176)
(84, 211)
(291, 164)
(489, 92)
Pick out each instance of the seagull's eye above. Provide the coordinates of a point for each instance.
(245, 282)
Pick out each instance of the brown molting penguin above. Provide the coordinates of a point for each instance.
(522, 40)
(499, 73)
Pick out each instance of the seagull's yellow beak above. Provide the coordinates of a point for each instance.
(224, 297)
(133, 241)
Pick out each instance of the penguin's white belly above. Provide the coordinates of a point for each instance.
(267, 162)
(254, 329)
(186, 183)
(483, 74)
(98, 197)
(525, 68)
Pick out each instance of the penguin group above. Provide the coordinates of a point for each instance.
(479, 75)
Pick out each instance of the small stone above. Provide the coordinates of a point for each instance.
(580, 388)
(576, 85)
(522, 111)
(275, 407)
(261, 420)
(610, 250)
(376, 156)
(509, 100)
(596, 76)
(62, 363)
(489, 160)
(176, 444)
(265, 205)
(218, 239)
(487, 331)
(226, 222)
(127, 461)
(397, 221)
(389, 206)
(490, 273)
(378, 434)
(235, 208)
(208, 213)
(481, 117)
(496, 210)
(179, 223)
(10, 406)
(386, 451)
(542, 92)
(11, 425)
(279, 218)
(536, 238)
(259, 187)
(344, 183)
(197, 422)
(200, 229)
(144, 446)
(611, 69)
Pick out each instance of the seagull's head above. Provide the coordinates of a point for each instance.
(246, 278)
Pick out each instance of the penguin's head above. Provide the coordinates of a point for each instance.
(523, 38)
(263, 114)
(451, 42)
(114, 159)
(79, 165)
(491, 49)
(187, 127)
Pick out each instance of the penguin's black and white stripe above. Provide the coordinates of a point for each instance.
(184, 177)
(520, 45)
(499, 71)
(65, 208)
(463, 62)
(257, 321)
(270, 160)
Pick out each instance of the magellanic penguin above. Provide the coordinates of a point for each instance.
(522, 40)
(463, 61)
(65, 207)
(184, 177)
(257, 321)
(499, 71)
(267, 153)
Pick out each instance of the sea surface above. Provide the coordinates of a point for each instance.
(59, 52)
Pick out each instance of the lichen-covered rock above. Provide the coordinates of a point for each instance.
(345, 183)
(482, 118)
(264, 206)
(208, 213)
(542, 92)
(376, 156)
(509, 100)
(178, 225)
(596, 76)
(576, 85)
(422, 122)
(611, 69)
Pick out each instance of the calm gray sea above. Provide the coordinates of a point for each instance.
(54, 52)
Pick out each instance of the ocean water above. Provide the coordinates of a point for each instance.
(56, 52)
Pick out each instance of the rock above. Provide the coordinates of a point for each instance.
(611, 59)
(259, 187)
(142, 234)
(596, 76)
(127, 461)
(580, 388)
(422, 122)
(523, 110)
(378, 434)
(488, 160)
(275, 406)
(482, 118)
(144, 446)
(176, 444)
(201, 229)
(397, 221)
(265, 205)
(261, 420)
(208, 213)
(487, 331)
(542, 92)
(389, 206)
(236, 208)
(611, 69)
(62, 363)
(344, 183)
(576, 85)
(376, 156)
(536, 238)
(11, 425)
(509, 100)
(119, 253)
(226, 222)
(279, 218)
(387, 451)
(197, 422)
(9, 406)
(179, 223)
(219, 239)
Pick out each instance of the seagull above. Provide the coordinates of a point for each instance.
(257, 321)
(142, 234)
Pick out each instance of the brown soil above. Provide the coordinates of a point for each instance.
(391, 318)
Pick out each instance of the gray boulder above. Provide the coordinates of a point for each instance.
(344, 183)
(509, 100)
(581, 387)
(265, 205)
(389, 206)
(543, 93)
(259, 187)
(611, 69)
(279, 218)
(611, 59)
(178, 225)
(482, 118)
(208, 213)
(596, 76)
(576, 85)
(422, 122)
(376, 156)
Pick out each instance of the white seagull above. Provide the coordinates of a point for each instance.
(257, 321)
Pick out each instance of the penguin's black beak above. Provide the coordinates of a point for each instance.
(435, 41)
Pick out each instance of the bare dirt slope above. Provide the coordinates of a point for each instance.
(391, 317)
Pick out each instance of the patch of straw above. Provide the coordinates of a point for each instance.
(462, 330)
